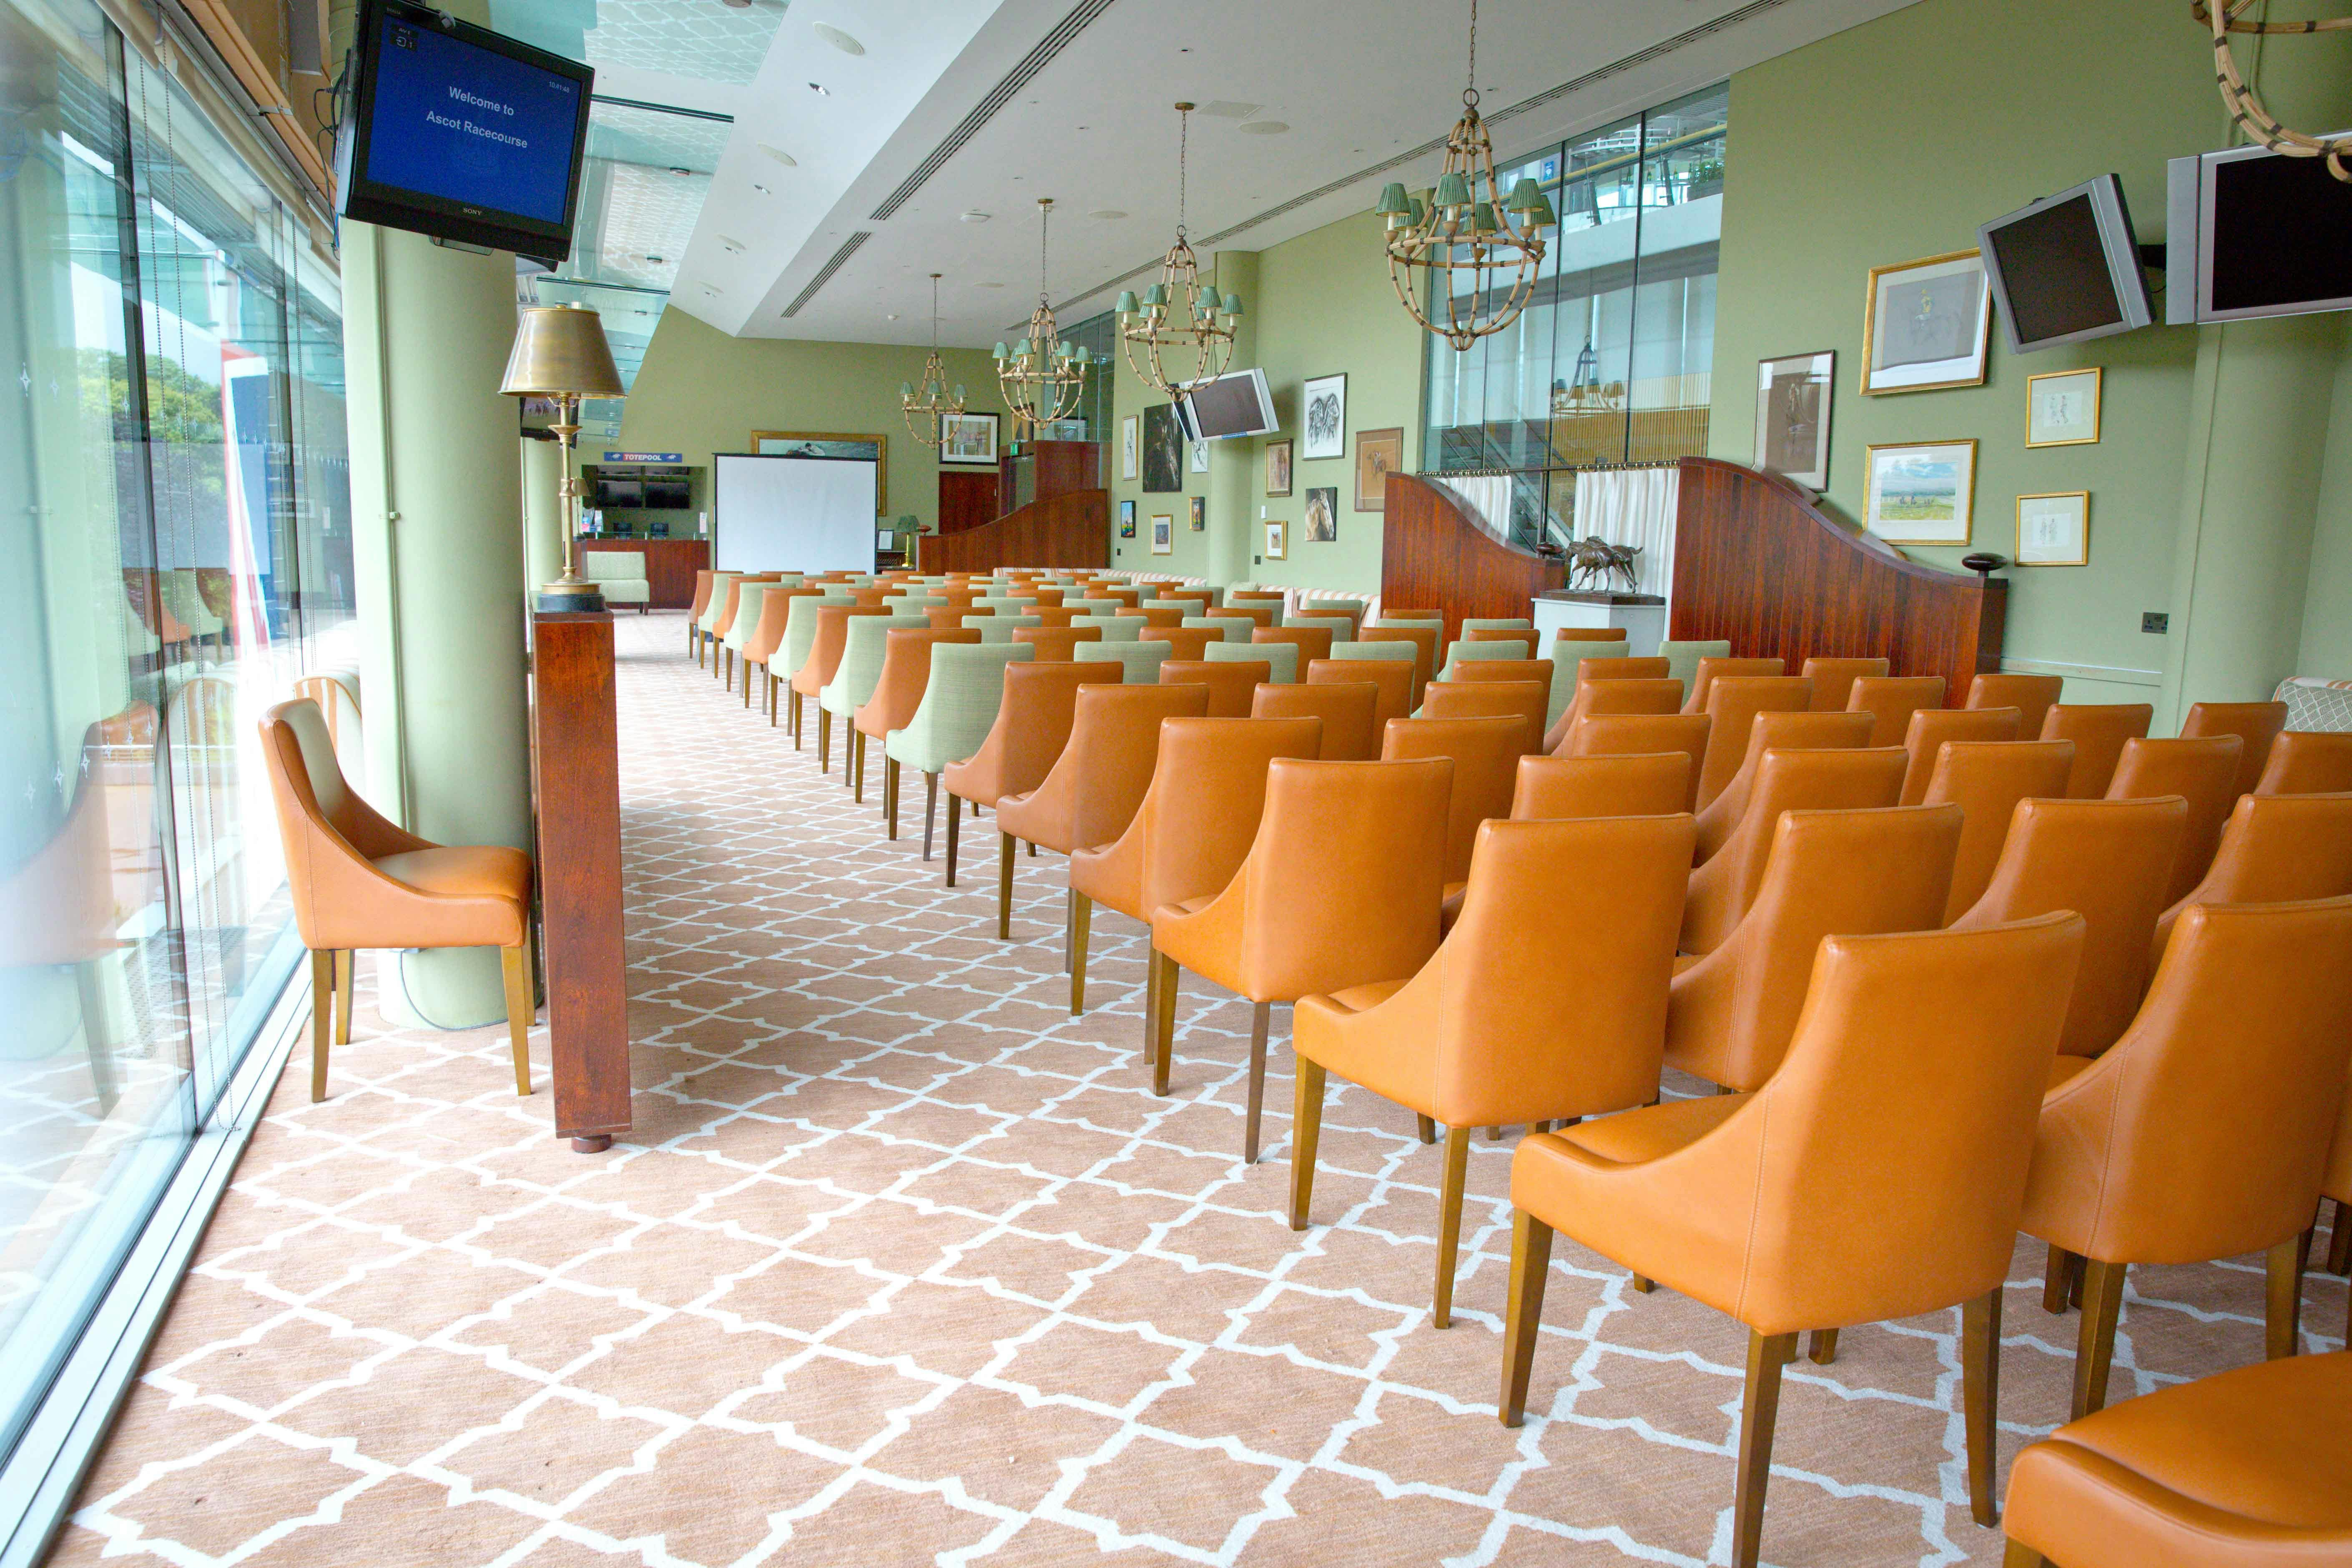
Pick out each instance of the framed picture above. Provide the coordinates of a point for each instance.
(2055, 529)
(1277, 468)
(1924, 324)
(1163, 533)
(1792, 417)
(1921, 492)
(1127, 519)
(1277, 540)
(1377, 453)
(1200, 457)
(1199, 514)
(1323, 514)
(829, 443)
(2061, 408)
(968, 438)
(1128, 446)
(1163, 451)
(1323, 418)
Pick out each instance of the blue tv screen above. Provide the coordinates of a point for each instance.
(462, 134)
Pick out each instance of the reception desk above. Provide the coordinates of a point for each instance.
(670, 566)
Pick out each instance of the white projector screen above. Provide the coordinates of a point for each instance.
(793, 514)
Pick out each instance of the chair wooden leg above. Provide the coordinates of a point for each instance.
(1523, 1311)
(322, 1008)
(955, 811)
(856, 765)
(1426, 1128)
(516, 964)
(792, 700)
(2058, 1279)
(1449, 1222)
(2020, 1555)
(1824, 1347)
(1261, 1015)
(1007, 847)
(1494, 1134)
(1163, 1021)
(1082, 910)
(930, 809)
(2283, 1311)
(1306, 1133)
(2095, 1349)
(823, 739)
(345, 961)
(2339, 1240)
(747, 683)
(890, 797)
(1759, 1410)
(1644, 1284)
(1981, 1400)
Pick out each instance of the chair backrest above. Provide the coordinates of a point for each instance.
(1485, 755)
(1681, 657)
(327, 834)
(1639, 695)
(1099, 779)
(1312, 642)
(2107, 860)
(1220, 628)
(1183, 642)
(1714, 667)
(1281, 657)
(2098, 730)
(2258, 724)
(1342, 627)
(1734, 700)
(1484, 699)
(1033, 725)
(1542, 672)
(1348, 709)
(702, 577)
(1141, 660)
(2274, 849)
(800, 633)
(863, 647)
(1392, 676)
(613, 565)
(1001, 628)
(2032, 695)
(751, 599)
(1804, 729)
(721, 585)
(1635, 734)
(961, 701)
(1932, 727)
(1723, 889)
(1232, 684)
(906, 672)
(2309, 762)
(1114, 629)
(1525, 640)
(1162, 615)
(1257, 614)
(1463, 651)
(1056, 644)
(1619, 667)
(767, 639)
(1891, 700)
(1207, 793)
(1496, 623)
(1342, 885)
(2217, 1106)
(1731, 1014)
(2203, 771)
(1636, 784)
(1424, 638)
(824, 661)
(1986, 779)
(1834, 679)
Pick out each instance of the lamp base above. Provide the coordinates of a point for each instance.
(572, 596)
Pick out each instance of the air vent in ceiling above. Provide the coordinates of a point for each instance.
(824, 273)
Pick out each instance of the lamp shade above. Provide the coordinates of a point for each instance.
(560, 351)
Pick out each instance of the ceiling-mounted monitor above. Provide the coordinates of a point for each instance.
(1236, 403)
(2067, 267)
(461, 133)
(2251, 231)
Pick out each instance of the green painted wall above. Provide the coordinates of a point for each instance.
(2326, 649)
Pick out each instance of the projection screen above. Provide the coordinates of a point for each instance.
(795, 514)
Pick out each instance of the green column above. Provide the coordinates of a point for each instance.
(1233, 464)
(542, 513)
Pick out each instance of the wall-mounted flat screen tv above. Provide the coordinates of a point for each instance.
(2067, 267)
(1236, 403)
(620, 493)
(2251, 231)
(670, 492)
(461, 133)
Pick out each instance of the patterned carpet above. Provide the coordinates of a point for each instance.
(903, 1265)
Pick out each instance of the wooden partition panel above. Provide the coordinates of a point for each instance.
(1433, 555)
(966, 499)
(1757, 563)
(1071, 530)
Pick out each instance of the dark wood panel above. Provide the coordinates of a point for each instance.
(575, 767)
(670, 566)
(1434, 556)
(1068, 531)
(1053, 468)
(1755, 562)
(966, 499)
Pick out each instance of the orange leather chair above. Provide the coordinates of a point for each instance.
(1606, 669)
(2204, 1133)
(1730, 1014)
(1033, 726)
(695, 612)
(1485, 756)
(1635, 734)
(1535, 1007)
(1524, 700)
(2274, 849)
(358, 880)
(2202, 772)
(1054, 614)
(1374, 834)
(1538, 670)
(1090, 796)
(722, 659)
(1163, 615)
(1527, 640)
(1313, 642)
(2107, 860)
(1638, 694)
(1257, 614)
(1233, 683)
(1843, 780)
(1733, 701)
(1805, 731)
(1189, 643)
(1351, 733)
(1393, 677)
(1986, 779)
(897, 692)
(1900, 1128)
(2246, 1468)
(1188, 836)
(2098, 730)
(1275, 597)
(952, 619)
(869, 596)
(2258, 724)
(2309, 762)
(1714, 669)
(1891, 700)
(1834, 679)
(760, 647)
(1637, 783)
(816, 672)
(1055, 645)
(2032, 695)
(1425, 650)
(1931, 728)
(1202, 599)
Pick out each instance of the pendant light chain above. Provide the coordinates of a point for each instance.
(1180, 312)
(1041, 377)
(1184, 148)
(1470, 92)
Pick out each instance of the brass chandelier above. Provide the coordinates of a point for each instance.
(927, 406)
(1467, 227)
(1180, 313)
(1042, 377)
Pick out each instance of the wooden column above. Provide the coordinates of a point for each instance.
(576, 795)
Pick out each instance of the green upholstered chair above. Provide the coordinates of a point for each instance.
(1681, 657)
(704, 632)
(1114, 629)
(1511, 624)
(1282, 658)
(1564, 657)
(1093, 606)
(747, 617)
(852, 686)
(1145, 591)
(1230, 628)
(1000, 628)
(959, 707)
(800, 637)
(1342, 627)
(1356, 608)
(1142, 659)
(1460, 651)
(1401, 652)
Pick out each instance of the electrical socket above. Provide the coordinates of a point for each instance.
(2157, 623)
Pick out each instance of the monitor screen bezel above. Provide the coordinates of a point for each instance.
(2117, 243)
(1269, 418)
(2206, 162)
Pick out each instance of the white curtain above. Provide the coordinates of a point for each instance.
(1633, 506)
(1486, 499)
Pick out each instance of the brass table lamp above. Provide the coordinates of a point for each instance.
(560, 352)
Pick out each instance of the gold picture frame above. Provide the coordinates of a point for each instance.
(881, 454)
(1378, 453)
(2039, 416)
(1915, 292)
(1163, 533)
(1920, 492)
(2062, 533)
(1278, 539)
(1277, 468)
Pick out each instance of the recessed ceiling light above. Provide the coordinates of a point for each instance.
(837, 39)
(762, 189)
(676, 170)
(779, 155)
(1264, 128)
(655, 260)
(823, 91)
(975, 217)
(1107, 214)
(988, 285)
(735, 245)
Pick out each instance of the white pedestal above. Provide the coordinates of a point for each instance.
(1644, 624)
